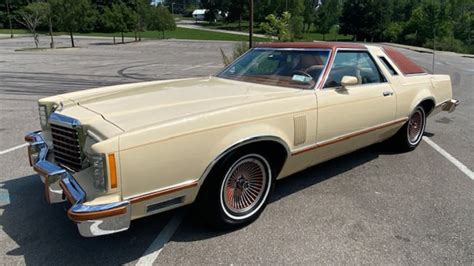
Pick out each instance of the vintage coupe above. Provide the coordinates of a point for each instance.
(123, 152)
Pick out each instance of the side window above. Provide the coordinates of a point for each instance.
(388, 66)
(356, 64)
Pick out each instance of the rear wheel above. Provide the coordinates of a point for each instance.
(238, 191)
(410, 135)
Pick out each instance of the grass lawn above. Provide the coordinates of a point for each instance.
(181, 33)
(311, 36)
(194, 34)
(15, 31)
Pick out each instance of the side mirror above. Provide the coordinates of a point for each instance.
(349, 81)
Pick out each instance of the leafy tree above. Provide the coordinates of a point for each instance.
(160, 19)
(310, 7)
(73, 15)
(427, 21)
(120, 18)
(365, 19)
(31, 16)
(278, 26)
(142, 10)
(327, 15)
(237, 10)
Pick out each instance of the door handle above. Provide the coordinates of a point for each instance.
(387, 93)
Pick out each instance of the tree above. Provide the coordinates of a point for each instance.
(278, 26)
(31, 16)
(327, 15)
(237, 10)
(73, 15)
(7, 5)
(365, 19)
(160, 19)
(120, 18)
(142, 10)
(310, 7)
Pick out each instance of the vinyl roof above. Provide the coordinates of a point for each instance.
(320, 45)
(403, 63)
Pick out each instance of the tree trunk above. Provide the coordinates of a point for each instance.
(139, 36)
(9, 18)
(114, 39)
(51, 44)
(35, 37)
(163, 34)
(50, 22)
(72, 39)
(136, 37)
(122, 38)
(240, 22)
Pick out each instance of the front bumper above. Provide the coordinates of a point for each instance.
(60, 185)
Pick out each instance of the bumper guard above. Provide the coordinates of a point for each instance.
(91, 220)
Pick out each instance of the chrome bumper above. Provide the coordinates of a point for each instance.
(91, 220)
(450, 105)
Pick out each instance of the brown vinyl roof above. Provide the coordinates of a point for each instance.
(403, 63)
(320, 45)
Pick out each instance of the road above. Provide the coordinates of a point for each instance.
(368, 207)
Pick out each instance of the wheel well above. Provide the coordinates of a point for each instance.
(428, 105)
(276, 154)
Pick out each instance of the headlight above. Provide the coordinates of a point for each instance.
(43, 115)
(98, 169)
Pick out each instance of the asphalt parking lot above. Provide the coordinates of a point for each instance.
(368, 207)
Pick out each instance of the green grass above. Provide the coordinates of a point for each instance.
(15, 31)
(311, 36)
(194, 34)
(180, 33)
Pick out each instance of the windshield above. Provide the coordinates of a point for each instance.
(281, 67)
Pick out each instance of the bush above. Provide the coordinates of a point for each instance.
(393, 32)
(239, 49)
(296, 27)
(448, 44)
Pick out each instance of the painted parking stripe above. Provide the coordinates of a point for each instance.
(154, 250)
(13, 148)
(450, 158)
(4, 197)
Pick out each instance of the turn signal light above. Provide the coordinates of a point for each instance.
(112, 171)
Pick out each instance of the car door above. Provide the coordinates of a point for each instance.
(353, 116)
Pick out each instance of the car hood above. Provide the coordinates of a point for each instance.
(134, 106)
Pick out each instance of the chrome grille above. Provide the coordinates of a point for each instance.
(66, 146)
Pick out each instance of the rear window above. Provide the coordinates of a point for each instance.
(388, 66)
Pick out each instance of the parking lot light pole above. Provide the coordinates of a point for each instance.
(251, 23)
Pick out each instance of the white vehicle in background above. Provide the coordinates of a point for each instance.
(199, 14)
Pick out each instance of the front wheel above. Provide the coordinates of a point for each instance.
(238, 191)
(410, 135)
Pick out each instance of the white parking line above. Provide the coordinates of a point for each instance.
(13, 148)
(450, 158)
(151, 254)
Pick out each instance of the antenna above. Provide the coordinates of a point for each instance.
(434, 51)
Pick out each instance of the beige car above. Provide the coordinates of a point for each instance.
(123, 152)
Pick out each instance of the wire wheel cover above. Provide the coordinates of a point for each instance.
(244, 185)
(415, 127)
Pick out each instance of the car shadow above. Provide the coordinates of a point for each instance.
(192, 230)
(44, 235)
